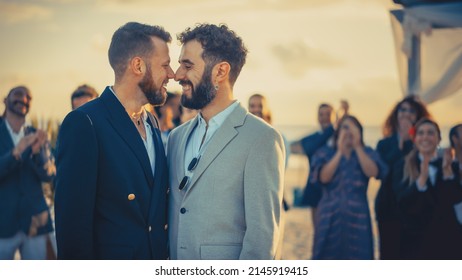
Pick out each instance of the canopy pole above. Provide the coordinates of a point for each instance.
(413, 82)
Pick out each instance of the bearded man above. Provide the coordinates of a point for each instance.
(112, 184)
(226, 166)
(25, 162)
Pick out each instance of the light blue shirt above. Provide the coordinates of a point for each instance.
(202, 134)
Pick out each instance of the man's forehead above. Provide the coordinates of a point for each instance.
(191, 50)
(160, 47)
(20, 92)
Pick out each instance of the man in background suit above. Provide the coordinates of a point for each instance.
(226, 166)
(111, 188)
(25, 162)
(309, 145)
(81, 95)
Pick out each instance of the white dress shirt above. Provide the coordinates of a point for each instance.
(16, 137)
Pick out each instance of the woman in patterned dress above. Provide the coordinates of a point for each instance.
(343, 224)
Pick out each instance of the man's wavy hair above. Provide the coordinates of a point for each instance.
(219, 44)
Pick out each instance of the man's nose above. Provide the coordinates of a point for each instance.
(179, 75)
(170, 73)
(25, 98)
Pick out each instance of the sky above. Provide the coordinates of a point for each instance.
(301, 52)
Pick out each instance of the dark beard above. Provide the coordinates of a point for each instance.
(153, 94)
(203, 94)
(11, 107)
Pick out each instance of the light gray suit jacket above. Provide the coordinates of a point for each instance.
(232, 207)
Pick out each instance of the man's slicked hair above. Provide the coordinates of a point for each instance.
(219, 44)
(131, 40)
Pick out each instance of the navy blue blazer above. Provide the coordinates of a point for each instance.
(385, 202)
(312, 143)
(428, 218)
(108, 203)
(315, 141)
(21, 195)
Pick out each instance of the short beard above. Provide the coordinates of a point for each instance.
(10, 107)
(203, 94)
(153, 94)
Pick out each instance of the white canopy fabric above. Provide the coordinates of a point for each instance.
(428, 42)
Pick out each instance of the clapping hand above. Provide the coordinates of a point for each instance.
(404, 127)
(39, 142)
(23, 144)
(342, 144)
(447, 161)
(422, 179)
(356, 137)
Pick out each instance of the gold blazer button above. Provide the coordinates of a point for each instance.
(131, 196)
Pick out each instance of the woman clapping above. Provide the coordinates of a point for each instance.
(343, 225)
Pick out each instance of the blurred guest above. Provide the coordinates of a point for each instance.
(165, 115)
(187, 114)
(82, 95)
(343, 225)
(455, 137)
(25, 162)
(174, 103)
(427, 191)
(395, 145)
(308, 146)
(258, 106)
(343, 111)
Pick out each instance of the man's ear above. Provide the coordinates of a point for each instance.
(137, 65)
(222, 71)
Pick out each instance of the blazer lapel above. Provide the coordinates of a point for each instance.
(222, 137)
(5, 137)
(121, 122)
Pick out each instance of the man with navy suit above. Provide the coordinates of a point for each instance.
(112, 182)
(25, 162)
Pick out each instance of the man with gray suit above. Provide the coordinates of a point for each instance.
(226, 166)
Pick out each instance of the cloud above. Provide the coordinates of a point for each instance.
(136, 6)
(290, 4)
(297, 58)
(13, 13)
(58, 1)
(300, 4)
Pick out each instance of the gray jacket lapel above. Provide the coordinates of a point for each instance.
(222, 137)
(180, 171)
